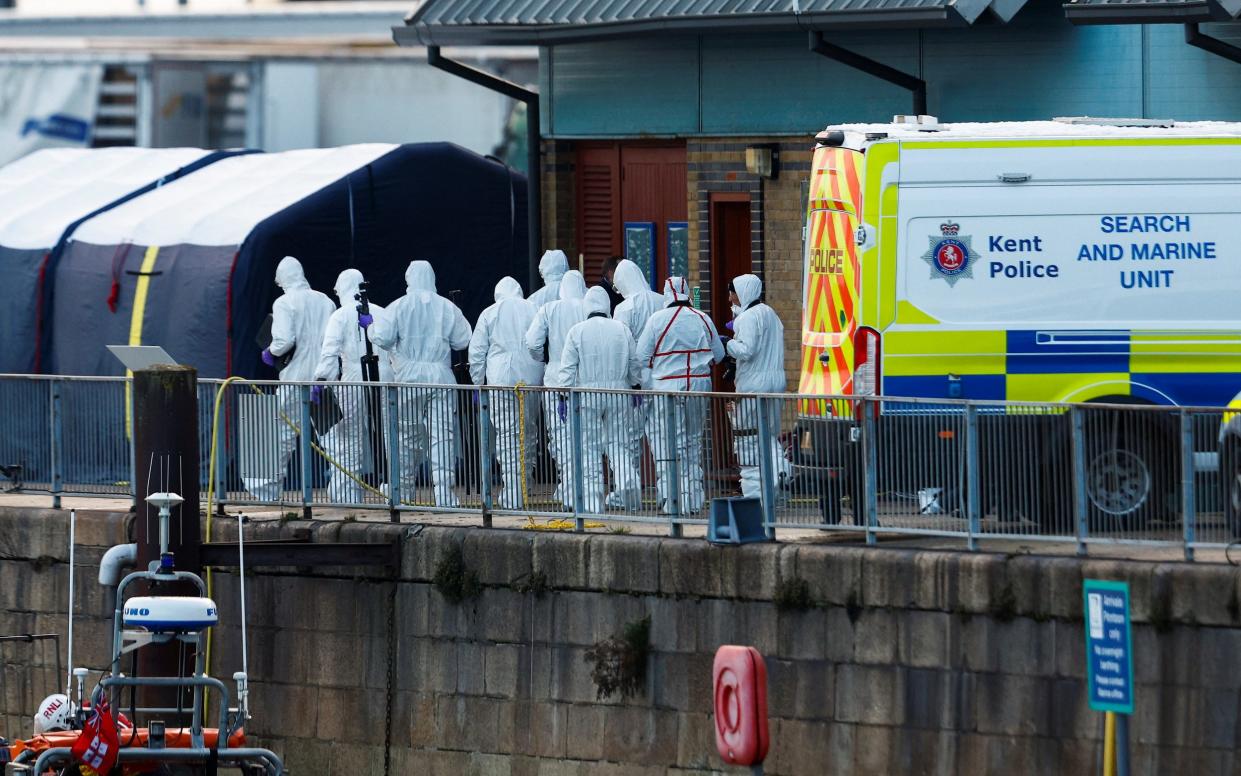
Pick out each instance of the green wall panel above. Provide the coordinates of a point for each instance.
(1036, 67)
(647, 85)
(777, 83)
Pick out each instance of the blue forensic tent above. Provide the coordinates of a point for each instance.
(43, 196)
(191, 265)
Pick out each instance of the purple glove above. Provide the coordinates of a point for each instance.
(268, 358)
(729, 326)
(316, 391)
(635, 400)
(475, 397)
(562, 409)
(365, 319)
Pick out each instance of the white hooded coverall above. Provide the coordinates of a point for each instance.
(299, 316)
(499, 357)
(679, 344)
(758, 347)
(639, 304)
(547, 333)
(552, 267)
(344, 345)
(420, 330)
(601, 353)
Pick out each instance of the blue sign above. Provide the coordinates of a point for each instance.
(1109, 645)
(59, 126)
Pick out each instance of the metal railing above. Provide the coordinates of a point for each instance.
(968, 470)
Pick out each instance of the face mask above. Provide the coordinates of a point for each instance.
(736, 310)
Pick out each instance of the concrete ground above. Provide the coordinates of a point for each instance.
(1162, 544)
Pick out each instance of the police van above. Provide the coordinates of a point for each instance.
(1074, 260)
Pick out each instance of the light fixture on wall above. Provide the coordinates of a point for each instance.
(763, 160)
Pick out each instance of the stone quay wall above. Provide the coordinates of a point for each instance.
(473, 658)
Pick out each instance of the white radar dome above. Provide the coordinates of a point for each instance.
(163, 614)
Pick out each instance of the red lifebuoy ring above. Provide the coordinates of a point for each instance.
(740, 681)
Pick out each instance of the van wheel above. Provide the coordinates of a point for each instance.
(1230, 476)
(1131, 466)
(1119, 483)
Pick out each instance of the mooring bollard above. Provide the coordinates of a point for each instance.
(166, 452)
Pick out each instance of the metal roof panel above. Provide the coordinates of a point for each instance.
(436, 22)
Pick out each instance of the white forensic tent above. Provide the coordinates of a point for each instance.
(42, 196)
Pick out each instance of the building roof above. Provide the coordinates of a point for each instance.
(1150, 11)
(527, 22)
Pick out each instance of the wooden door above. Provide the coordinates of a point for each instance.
(628, 183)
(598, 207)
(730, 257)
(653, 191)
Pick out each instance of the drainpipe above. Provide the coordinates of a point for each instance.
(534, 203)
(120, 557)
(1214, 45)
(869, 66)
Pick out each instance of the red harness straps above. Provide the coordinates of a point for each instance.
(689, 374)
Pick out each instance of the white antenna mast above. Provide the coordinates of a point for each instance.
(243, 677)
(73, 519)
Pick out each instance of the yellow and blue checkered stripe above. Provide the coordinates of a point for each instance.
(1183, 368)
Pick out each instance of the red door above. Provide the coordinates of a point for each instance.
(730, 257)
(633, 184)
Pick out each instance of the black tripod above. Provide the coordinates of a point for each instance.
(374, 396)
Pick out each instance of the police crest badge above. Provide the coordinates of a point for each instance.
(950, 256)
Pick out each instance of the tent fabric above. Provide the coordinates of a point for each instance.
(193, 263)
(44, 192)
(222, 205)
(42, 197)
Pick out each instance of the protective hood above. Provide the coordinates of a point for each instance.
(629, 280)
(598, 301)
(749, 288)
(289, 274)
(420, 280)
(347, 284)
(675, 290)
(553, 265)
(508, 288)
(572, 285)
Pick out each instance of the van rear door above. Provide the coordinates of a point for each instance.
(831, 272)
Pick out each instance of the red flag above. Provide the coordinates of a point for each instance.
(98, 744)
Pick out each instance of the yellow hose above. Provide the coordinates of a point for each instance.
(521, 441)
(554, 524)
(215, 428)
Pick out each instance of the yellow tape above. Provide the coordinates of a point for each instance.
(135, 324)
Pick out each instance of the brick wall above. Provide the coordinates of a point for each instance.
(776, 218)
